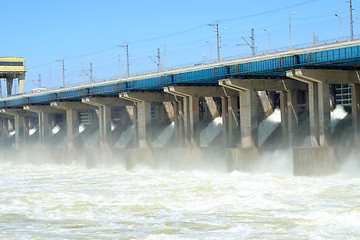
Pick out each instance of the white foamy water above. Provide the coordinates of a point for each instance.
(336, 116)
(32, 131)
(164, 136)
(125, 137)
(82, 127)
(208, 134)
(71, 202)
(268, 126)
(56, 129)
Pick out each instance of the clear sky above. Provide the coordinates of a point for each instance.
(83, 32)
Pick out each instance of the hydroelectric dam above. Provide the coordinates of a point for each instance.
(158, 118)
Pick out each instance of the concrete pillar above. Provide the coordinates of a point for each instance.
(103, 105)
(44, 127)
(107, 125)
(21, 130)
(191, 112)
(104, 125)
(10, 125)
(230, 119)
(292, 116)
(289, 119)
(132, 110)
(21, 81)
(186, 122)
(194, 121)
(211, 104)
(72, 126)
(72, 119)
(324, 113)
(249, 118)
(265, 103)
(144, 123)
(4, 128)
(9, 84)
(225, 121)
(142, 102)
(355, 109)
(21, 126)
(46, 120)
(169, 110)
(233, 118)
(179, 123)
(284, 117)
(314, 113)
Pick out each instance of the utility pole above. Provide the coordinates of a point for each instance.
(253, 41)
(351, 21)
(82, 74)
(63, 68)
(252, 46)
(127, 56)
(119, 66)
(91, 73)
(63, 65)
(159, 59)
(158, 62)
(39, 80)
(50, 79)
(218, 38)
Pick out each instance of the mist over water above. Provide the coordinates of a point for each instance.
(40, 200)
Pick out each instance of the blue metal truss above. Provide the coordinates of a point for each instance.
(342, 57)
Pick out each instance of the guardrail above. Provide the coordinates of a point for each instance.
(205, 63)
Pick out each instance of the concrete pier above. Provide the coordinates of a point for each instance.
(241, 102)
(21, 125)
(142, 126)
(321, 157)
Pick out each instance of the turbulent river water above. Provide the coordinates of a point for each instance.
(73, 202)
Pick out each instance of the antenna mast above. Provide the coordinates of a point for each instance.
(351, 21)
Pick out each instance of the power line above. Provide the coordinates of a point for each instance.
(269, 11)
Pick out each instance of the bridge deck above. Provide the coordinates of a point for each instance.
(336, 55)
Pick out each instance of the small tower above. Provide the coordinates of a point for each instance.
(10, 68)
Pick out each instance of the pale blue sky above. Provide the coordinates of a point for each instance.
(84, 32)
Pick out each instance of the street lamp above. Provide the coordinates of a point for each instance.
(290, 27)
(269, 39)
(340, 26)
